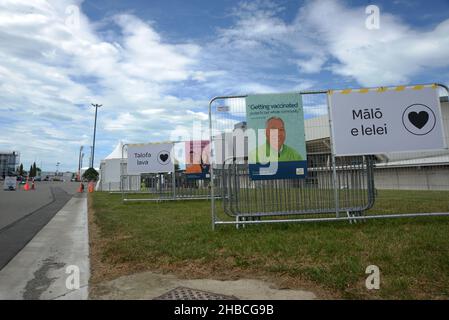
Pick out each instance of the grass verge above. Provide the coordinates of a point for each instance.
(328, 258)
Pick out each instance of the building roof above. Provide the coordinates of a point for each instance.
(427, 161)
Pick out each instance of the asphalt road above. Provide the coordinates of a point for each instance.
(24, 213)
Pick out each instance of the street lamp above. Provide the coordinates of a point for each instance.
(96, 106)
(57, 168)
(79, 162)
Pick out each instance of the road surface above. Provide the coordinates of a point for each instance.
(24, 213)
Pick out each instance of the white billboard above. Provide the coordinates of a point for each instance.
(150, 158)
(383, 120)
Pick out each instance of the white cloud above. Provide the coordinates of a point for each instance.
(312, 65)
(49, 67)
(328, 35)
(391, 55)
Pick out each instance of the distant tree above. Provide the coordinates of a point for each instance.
(38, 171)
(34, 173)
(30, 173)
(20, 170)
(90, 174)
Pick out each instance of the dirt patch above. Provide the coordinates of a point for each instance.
(151, 285)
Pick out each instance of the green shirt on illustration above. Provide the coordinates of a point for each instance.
(285, 154)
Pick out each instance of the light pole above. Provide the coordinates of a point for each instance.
(90, 157)
(96, 106)
(79, 162)
(82, 156)
(57, 169)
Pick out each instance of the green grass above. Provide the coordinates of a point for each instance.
(412, 254)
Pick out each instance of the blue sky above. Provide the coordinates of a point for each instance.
(155, 64)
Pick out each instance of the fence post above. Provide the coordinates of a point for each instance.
(211, 160)
(334, 168)
(121, 175)
(173, 179)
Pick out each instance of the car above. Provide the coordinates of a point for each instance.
(37, 179)
(10, 183)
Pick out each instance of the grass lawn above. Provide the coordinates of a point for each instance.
(328, 258)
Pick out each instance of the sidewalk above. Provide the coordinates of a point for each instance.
(38, 271)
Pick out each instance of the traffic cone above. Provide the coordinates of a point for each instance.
(32, 186)
(91, 187)
(81, 188)
(26, 187)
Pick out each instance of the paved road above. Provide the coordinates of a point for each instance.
(45, 267)
(17, 204)
(24, 213)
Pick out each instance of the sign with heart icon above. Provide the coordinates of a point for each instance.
(418, 119)
(163, 156)
(385, 120)
(150, 158)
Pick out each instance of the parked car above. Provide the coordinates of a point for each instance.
(10, 183)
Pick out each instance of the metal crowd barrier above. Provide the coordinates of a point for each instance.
(164, 187)
(336, 188)
(244, 198)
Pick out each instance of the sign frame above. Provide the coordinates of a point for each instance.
(282, 109)
(436, 111)
(150, 158)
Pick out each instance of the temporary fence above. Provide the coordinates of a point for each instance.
(167, 186)
(336, 188)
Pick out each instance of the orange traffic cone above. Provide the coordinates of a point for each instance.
(32, 185)
(26, 187)
(91, 187)
(81, 188)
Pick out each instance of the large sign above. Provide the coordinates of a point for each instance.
(197, 155)
(150, 158)
(383, 120)
(275, 130)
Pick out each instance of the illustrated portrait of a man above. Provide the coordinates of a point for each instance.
(275, 125)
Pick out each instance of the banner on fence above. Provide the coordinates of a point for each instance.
(150, 158)
(197, 155)
(275, 129)
(383, 120)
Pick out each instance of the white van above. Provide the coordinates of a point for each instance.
(10, 183)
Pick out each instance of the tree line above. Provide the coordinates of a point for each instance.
(33, 172)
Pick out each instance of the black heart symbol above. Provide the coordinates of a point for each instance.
(419, 120)
(163, 157)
